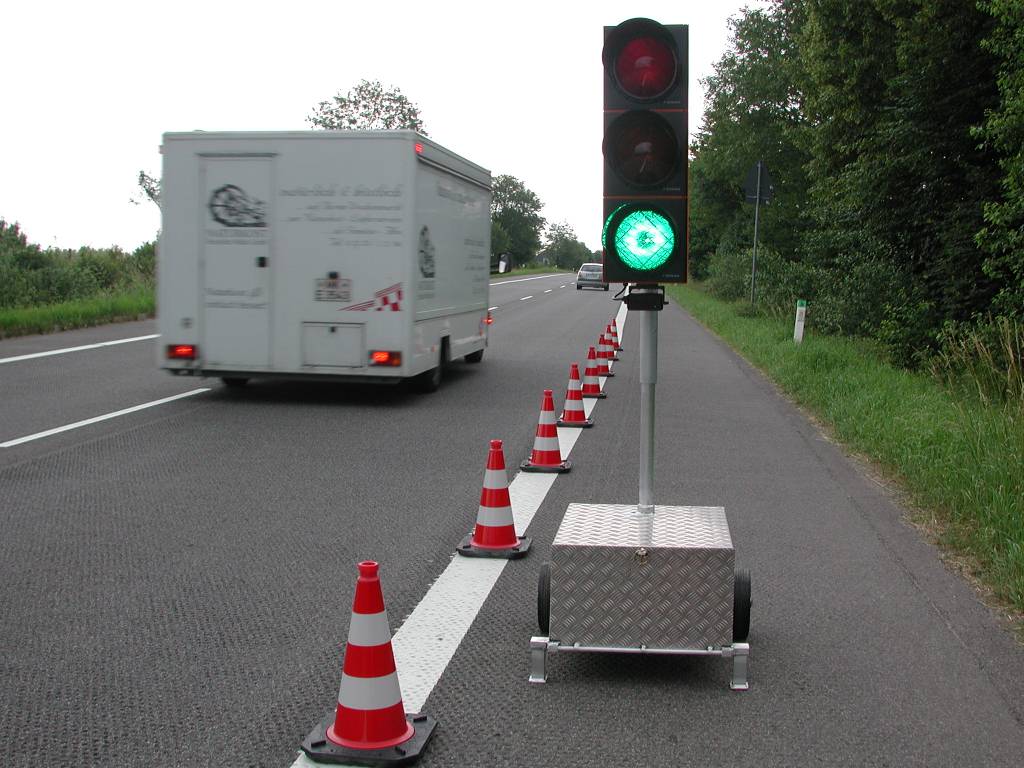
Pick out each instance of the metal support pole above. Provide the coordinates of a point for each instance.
(648, 379)
(757, 208)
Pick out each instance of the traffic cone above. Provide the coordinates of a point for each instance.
(573, 414)
(591, 386)
(612, 355)
(495, 532)
(603, 354)
(547, 455)
(615, 336)
(369, 725)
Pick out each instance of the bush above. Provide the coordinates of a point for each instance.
(32, 277)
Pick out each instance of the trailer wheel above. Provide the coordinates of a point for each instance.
(741, 607)
(475, 357)
(235, 382)
(544, 599)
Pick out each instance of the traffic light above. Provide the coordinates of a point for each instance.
(645, 152)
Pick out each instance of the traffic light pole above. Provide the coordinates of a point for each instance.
(648, 300)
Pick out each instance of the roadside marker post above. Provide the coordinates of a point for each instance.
(798, 328)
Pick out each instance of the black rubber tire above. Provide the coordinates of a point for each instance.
(741, 602)
(474, 357)
(606, 287)
(235, 382)
(544, 599)
(578, 288)
(430, 381)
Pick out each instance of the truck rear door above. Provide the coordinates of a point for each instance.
(237, 260)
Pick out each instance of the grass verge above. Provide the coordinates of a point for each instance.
(77, 314)
(959, 459)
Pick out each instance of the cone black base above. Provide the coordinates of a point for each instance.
(599, 396)
(606, 375)
(581, 424)
(467, 549)
(320, 749)
(565, 466)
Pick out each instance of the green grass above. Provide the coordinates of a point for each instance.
(960, 459)
(77, 314)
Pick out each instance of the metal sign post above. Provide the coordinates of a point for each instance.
(759, 187)
(648, 382)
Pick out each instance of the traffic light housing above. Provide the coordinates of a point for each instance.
(645, 152)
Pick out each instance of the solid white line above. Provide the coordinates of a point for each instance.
(76, 349)
(523, 279)
(549, 290)
(104, 417)
(430, 635)
(525, 298)
(491, 309)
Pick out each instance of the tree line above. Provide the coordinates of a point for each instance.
(894, 132)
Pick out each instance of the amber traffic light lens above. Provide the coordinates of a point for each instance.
(642, 149)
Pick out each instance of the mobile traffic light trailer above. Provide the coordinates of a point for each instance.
(645, 578)
(353, 255)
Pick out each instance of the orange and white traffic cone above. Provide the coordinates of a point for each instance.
(495, 532)
(603, 355)
(615, 336)
(573, 414)
(610, 339)
(591, 385)
(547, 454)
(369, 725)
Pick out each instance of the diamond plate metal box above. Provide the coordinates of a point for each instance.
(621, 579)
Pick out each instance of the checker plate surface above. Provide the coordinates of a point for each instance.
(679, 595)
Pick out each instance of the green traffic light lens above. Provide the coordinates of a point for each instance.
(643, 239)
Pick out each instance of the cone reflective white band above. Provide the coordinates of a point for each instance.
(546, 417)
(369, 629)
(495, 478)
(545, 443)
(369, 693)
(493, 517)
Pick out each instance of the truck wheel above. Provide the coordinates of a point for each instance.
(544, 599)
(741, 607)
(429, 381)
(475, 357)
(235, 382)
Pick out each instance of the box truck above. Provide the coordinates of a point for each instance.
(352, 255)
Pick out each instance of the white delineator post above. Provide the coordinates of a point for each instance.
(798, 328)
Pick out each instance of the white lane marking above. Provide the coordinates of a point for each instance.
(525, 298)
(549, 290)
(561, 286)
(491, 309)
(76, 349)
(430, 635)
(523, 279)
(104, 417)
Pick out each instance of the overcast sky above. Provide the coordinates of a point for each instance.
(89, 87)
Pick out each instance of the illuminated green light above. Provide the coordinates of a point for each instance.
(643, 240)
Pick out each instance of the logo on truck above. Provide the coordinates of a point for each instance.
(426, 254)
(232, 206)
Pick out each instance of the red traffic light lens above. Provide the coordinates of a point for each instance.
(645, 68)
(642, 149)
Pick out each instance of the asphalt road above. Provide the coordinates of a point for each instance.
(176, 581)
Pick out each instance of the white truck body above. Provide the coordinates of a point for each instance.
(361, 255)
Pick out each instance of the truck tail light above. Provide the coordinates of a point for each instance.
(182, 352)
(384, 357)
